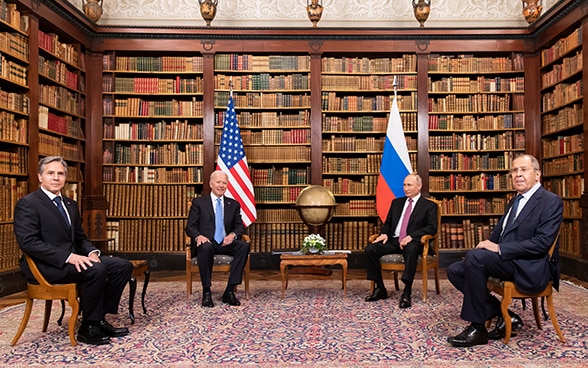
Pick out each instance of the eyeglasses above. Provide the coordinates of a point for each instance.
(523, 170)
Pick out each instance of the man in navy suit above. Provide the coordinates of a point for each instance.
(422, 220)
(48, 228)
(208, 239)
(517, 250)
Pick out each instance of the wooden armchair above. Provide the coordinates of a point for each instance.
(508, 291)
(48, 292)
(222, 263)
(429, 258)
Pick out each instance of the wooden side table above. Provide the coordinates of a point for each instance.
(330, 259)
(140, 267)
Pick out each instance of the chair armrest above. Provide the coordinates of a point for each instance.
(426, 242)
(373, 237)
(246, 238)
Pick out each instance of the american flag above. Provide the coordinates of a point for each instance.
(232, 160)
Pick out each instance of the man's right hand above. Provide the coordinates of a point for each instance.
(381, 238)
(80, 262)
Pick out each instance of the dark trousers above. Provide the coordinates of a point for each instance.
(411, 253)
(100, 287)
(239, 249)
(470, 277)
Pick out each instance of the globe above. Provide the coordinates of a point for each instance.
(315, 205)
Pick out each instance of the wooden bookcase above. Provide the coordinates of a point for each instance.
(356, 96)
(152, 147)
(476, 127)
(14, 125)
(562, 131)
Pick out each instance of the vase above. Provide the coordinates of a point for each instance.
(315, 11)
(532, 10)
(93, 9)
(208, 10)
(422, 9)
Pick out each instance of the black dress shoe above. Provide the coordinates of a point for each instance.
(499, 330)
(230, 299)
(110, 330)
(405, 301)
(207, 299)
(92, 334)
(471, 336)
(377, 294)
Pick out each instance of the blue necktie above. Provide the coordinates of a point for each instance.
(57, 201)
(513, 213)
(219, 233)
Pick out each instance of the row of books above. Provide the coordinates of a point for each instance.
(160, 175)
(13, 129)
(11, 190)
(334, 101)
(15, 44)
(366, 185)
(166, 64)
(262, 99)
(280, 176)
(405, 64)
(130, 200)
(563, 94)
(147, 235)
(460, 205)
(571, 186)
(277, 194)
(472, 64)
(368, 82)
(359, 165)
(367, 123)
(270, 154)
(356, 207)
(267, 237)
(13, 71)
(477, 103)
(152, 85)
(460, 182)
(66, 52)
(57, 71)
(261, 63)
(480, 84)
(267, 119)
(568, 117)
(562, 47)
(572, 209)
(65, 125)
(273, 136)
(562, 145)
(164, 154)
(262, 81)
(16, 102)
(476, 142)
(350, 235)
(139, 107)
(63, 99)
(10, 253)
(465, 234)
(471, 122)
(568, 67)
(569, 238)
(459, 161)
(572, 164)
(177, 130)
(349, 143)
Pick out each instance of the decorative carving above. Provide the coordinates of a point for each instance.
(208, 10)
(422, 8)
(532, 10)
(207, 45)
(314, 8)
(93, 9)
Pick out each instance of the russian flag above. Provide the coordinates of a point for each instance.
(395, 164)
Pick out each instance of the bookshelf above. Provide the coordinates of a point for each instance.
(62, 104)
(14, 121)
(356, 96)
(562, 131)
(152, 147)
(271, 94)
(476, 127)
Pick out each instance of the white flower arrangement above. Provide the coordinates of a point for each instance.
(313, 244)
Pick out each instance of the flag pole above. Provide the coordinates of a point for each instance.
(395, 86)
(231, 85)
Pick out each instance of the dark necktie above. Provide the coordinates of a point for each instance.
(405, 219)
(219, 233)
(57, 201)
(513, 213)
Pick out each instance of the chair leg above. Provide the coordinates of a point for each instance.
(372, 287)
(396, 281)
(145, 283)
(425, 273)
(48, 304)
(437, 289)
(188, 284)
(554, 317)
(506, 299)
(247, 272)
(71, 325)
(535, 303)
(23, 322)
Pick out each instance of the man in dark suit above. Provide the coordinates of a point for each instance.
(48, 228)
(419, 216)
(212, 235)
(517, 250)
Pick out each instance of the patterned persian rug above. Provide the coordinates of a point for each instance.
(314, 326)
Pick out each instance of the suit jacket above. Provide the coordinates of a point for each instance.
(201, 218)
(42, 232)
(528, 240)
(422, 221)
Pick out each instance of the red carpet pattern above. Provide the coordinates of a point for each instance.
(314, 326)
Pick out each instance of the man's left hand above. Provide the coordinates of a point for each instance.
(487, 244)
